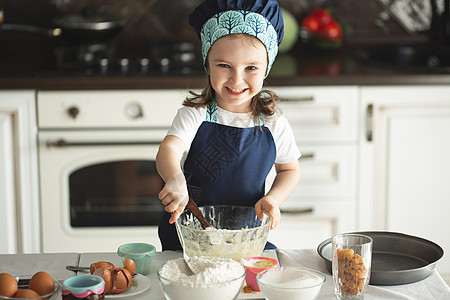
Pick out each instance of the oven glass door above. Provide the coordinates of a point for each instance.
(115, 193)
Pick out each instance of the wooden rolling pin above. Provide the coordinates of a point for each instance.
(192, 206)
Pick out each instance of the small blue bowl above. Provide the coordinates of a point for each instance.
(83, 285)
(140, 253)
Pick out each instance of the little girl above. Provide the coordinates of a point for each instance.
(224, 141)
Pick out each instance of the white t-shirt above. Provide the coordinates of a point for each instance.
(188, 120)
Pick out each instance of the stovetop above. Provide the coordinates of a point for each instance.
(106, 60)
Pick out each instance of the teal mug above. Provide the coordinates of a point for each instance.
(140, 253)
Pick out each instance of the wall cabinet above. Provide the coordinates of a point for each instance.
(405, 162)
(19, 223)
(324, 121)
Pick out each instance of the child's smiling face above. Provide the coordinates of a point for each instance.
(237, 66)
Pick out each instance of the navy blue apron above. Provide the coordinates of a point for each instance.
(225, 166)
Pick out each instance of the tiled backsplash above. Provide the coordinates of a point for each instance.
(150, 21)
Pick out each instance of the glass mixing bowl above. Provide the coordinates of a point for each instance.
(237, 232)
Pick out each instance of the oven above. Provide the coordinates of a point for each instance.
(98, 177)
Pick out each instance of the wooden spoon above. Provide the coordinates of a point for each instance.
(192, 206)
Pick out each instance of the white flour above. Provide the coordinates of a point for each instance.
(213, 281)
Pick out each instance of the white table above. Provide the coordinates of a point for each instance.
(433, 287)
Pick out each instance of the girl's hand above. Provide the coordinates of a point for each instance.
(174, 196)
(270, 206)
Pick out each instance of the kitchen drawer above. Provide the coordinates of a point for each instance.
(325, 171)
(306, 225)
(87, 109)
(321, 114)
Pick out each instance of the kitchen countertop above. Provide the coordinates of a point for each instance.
(432, 287)
(20, 68)
(29, 264)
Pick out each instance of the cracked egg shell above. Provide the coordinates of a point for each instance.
(121, 280)
(130, 265)
(99, 264)
(105, 273)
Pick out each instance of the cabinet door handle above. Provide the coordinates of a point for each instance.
(307, 156)
(306, 98)
(63, 143)
(369, 122)
(304, 211)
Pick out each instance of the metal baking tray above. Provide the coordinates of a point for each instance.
(397, 258)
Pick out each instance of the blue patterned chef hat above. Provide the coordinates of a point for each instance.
(213, 19)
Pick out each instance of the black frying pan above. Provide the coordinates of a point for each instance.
(78, 28)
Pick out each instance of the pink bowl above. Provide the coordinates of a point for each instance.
(253, 266)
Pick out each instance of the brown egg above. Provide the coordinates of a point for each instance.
(8, 285)
(99, 264)
(121, 280)
(130, 265)
(42, 283)
(26, 293)
(105, 273)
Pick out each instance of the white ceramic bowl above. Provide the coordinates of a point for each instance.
(177, 289)
(290, 283)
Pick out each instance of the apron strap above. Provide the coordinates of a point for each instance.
(211, 114)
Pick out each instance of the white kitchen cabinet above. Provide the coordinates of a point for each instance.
(307, 225)
(324, 121)
(405, 162)
(19, 205)
(321, 114)
(327, 171)
(7, 190)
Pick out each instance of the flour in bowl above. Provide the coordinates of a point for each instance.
(218, 278)
(212, 270)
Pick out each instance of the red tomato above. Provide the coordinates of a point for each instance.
(322, 16)
(311, 23)
(331, 32)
